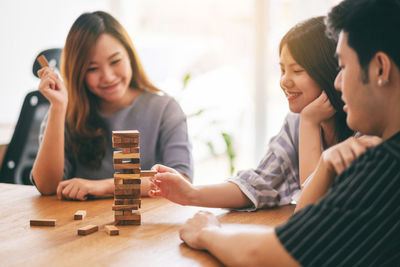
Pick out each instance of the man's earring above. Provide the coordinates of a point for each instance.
(382, 82)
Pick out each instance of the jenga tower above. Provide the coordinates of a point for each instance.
(126, 178)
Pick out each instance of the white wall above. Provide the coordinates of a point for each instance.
(26, 28)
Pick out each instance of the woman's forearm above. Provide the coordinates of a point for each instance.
(224, 195)
(317, 187)
(48, 167)
(309, 148)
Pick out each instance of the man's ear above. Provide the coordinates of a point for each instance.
(382, 67)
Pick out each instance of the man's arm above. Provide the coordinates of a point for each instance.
(238, 245)
(332, 163)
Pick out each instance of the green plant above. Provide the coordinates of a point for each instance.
(227, 138)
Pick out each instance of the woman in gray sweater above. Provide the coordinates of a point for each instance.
(104, 88)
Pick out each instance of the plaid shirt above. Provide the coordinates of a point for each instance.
(276, 179)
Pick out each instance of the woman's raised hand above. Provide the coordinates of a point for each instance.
(318, 110)
(52, 87)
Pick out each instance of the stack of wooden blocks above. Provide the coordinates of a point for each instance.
(126, 178)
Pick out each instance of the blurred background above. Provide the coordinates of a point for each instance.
(218, 58)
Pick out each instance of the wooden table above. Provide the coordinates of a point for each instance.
(154, 243)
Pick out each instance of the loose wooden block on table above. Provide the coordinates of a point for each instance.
(79, 215)
(88, 229)
(111, 230)
(43, 222)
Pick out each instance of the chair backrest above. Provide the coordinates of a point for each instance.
(22, 149)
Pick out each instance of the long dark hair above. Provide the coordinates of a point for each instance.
(86, 134)
(315, 52)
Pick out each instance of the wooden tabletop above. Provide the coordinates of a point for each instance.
(154, 243)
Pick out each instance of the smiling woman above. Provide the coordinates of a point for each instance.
(109, 75)
(290, 156)
(104, 88)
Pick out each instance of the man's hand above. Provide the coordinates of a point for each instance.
(339, 157)
(190, 231)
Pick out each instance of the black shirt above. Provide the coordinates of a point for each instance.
(357, 222)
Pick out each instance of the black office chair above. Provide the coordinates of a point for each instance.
(22, 149)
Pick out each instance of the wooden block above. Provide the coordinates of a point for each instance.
(118, 212)
(125, 207)
(127, 186)
(127, 222)
(126, 133)
(135, 214)
(116, 139)
(111, 230)
(127, 217)
(128, 171)
(127, 192)
(127, 180)
(120, 155)
(128, 202)
(147, 173)
(118, 161)
(130, 140)
(128, 212)
(123, 166)
(134, 219)
(42, 61)
(134, 196)
(43, 222)
(125, 140)
(122, 145)
(128, 150)
(88, 229)
(118, 181)
(80, 214)
(131, 181)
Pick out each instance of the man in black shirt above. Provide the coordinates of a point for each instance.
(348, 214)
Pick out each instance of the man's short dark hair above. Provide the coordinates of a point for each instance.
(371, 25)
